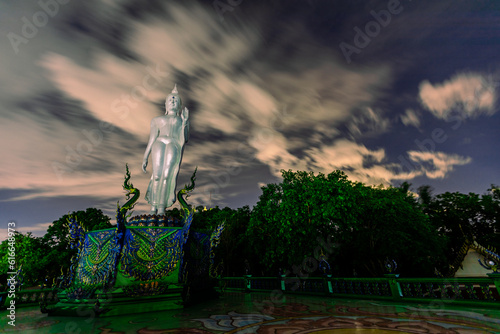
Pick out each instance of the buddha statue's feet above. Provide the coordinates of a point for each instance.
(153, 210)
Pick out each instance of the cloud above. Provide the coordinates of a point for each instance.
(33, 145)
(343, 154)
(436, 165)
(469, 94)
(115, 91)
(356, 160)
(232, 106)
(272, 150)
(37, 229)
(372, 166)
(368, 123)
(410, 118)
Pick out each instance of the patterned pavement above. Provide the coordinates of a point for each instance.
(264, 313)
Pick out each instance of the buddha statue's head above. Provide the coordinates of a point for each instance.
(173, 102)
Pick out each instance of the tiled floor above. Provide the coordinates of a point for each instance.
(256, 313)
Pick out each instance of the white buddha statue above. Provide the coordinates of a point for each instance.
(168, 135)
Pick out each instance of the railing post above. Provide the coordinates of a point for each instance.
(496, 279)
(328, 287)
(396, 292)
(283, 286)
(248, 283)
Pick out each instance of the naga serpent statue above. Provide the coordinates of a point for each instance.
(185, 192)
(121, 212)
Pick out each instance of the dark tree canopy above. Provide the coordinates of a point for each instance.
(393, 227)
(366, 224)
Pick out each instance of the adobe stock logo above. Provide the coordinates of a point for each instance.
(372, 29)
(29, 30)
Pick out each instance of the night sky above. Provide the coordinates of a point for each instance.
(388, 91)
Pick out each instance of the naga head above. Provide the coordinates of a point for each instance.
(173, 102)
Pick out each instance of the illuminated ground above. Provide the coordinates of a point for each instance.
(255, 313)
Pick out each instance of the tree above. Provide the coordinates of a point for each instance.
(174, 213)
(234, 248)
(294, 219)
(204, 219)
(425, 196)
(30, 254)
(290, 217)
(393, 227)
(490, 204)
